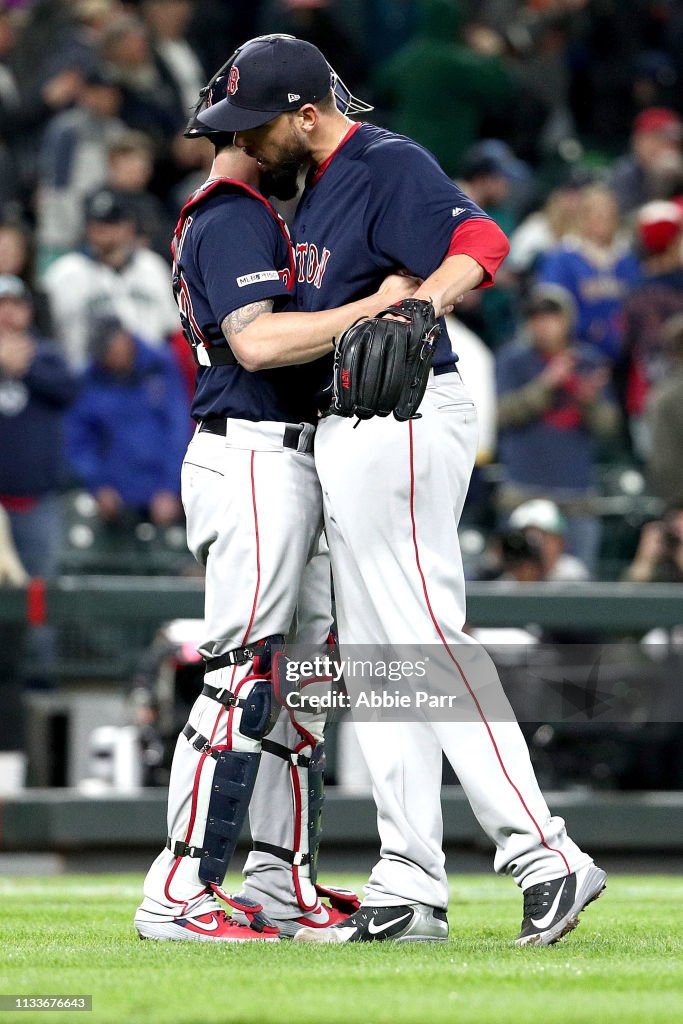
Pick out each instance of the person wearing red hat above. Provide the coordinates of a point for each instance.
(649, 305)
(655, 155)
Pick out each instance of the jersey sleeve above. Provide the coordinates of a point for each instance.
(414, 208)
(239, 251)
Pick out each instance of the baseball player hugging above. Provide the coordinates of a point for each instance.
(394, 489)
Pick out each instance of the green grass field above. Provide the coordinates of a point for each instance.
(74, 935)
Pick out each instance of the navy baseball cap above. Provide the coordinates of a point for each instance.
(108, 206)
(269, 76)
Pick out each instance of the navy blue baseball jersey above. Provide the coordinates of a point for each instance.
(379, 202)
(232, 249)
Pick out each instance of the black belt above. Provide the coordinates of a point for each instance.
(449, 368)
(291, 436)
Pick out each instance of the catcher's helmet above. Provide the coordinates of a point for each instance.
(218, 89)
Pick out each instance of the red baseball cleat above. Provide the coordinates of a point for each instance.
(215, 926)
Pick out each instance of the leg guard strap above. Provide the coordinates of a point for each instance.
(180, 849)
(199, 742)
(225, 697)
(290, 856)
(241, 655)
(280, 750)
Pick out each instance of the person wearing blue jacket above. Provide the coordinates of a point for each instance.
(36, 386)
(598, 268)
(127, 433)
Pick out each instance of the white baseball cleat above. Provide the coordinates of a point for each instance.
(408, 922)
(551, 909)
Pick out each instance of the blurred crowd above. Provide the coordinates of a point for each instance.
(561, 118)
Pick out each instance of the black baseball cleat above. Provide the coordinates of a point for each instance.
(412, 922)
(551, 909)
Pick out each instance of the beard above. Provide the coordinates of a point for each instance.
(280, 178)
(280, 183)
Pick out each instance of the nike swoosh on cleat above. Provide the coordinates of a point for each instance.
(204, 926)
(387, 924)
(547, 919)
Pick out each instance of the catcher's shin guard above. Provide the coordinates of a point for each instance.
(234, 749)
(286, 818)
(316, 799)
(231, 789)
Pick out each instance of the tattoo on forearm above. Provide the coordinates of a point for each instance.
(242, 317)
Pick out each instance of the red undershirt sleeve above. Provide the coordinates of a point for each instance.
(484, 241)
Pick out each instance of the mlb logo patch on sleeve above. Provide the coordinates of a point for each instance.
(262, 275)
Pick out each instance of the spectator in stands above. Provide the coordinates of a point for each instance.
(167, 22)
(193, 159)
(552, 402)
(497, 181)
(128, 431)
(440, 88)
(656, 140)
(95, 16)
(597, 267)
(36, 387)
(540, 42)
(542, 522)
(151, 101)
(665, 421)
(510, 555)
(502, 186)
(112, 275)
(659, 558)
(53, 51)
(131, 165)
(647, 309)
(518, 557)
(543, 229)
(73, 162)
(9, 106)
(16, 257)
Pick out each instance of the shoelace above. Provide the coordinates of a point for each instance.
(534, 902)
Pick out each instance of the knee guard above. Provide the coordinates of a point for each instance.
(252, 712)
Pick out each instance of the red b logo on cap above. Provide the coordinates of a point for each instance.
(233, 79)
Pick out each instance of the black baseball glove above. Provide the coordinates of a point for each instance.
(382, 363)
